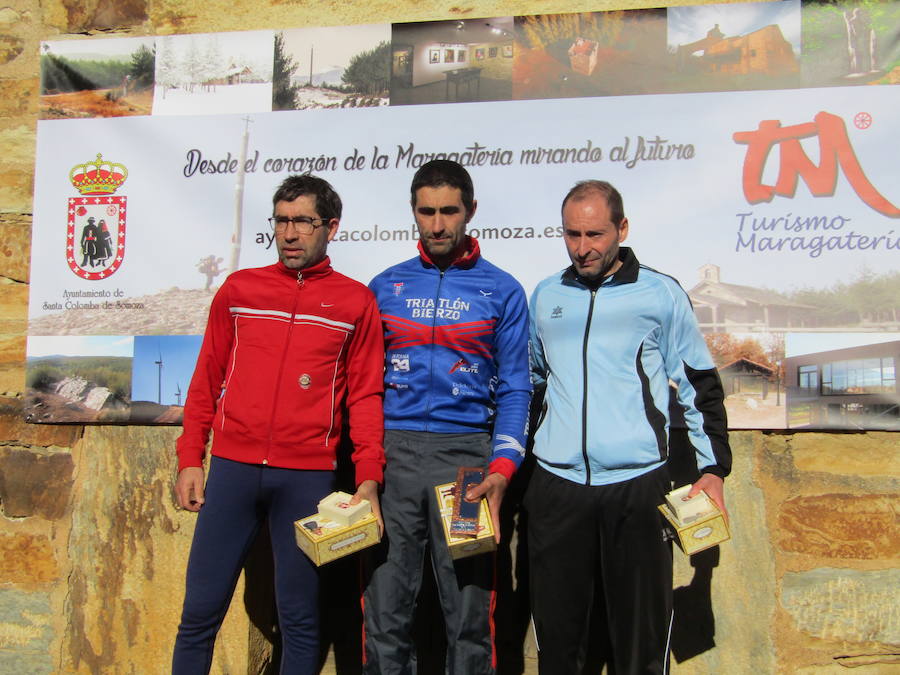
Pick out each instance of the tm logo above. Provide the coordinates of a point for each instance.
(834, 150)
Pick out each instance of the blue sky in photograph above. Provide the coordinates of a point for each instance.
(79, 345)
(179, 355)
(812, 343)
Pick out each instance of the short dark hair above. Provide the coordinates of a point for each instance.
(440, 172)
(328, 202)
(586, 188)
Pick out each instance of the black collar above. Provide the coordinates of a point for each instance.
(626, 274)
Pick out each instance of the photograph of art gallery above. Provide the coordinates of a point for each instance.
(852, 387)
(739, 46)
(452, 61)
(590, 54)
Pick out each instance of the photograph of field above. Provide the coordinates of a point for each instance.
(78, 379)
(97, 78)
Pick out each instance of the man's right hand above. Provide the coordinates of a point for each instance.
(189, 488)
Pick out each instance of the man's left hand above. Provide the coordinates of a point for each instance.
(493, 487)
(714, 487)
(368, 489)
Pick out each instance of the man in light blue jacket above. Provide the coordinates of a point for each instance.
(608, 335)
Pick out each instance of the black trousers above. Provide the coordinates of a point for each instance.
(600, 547)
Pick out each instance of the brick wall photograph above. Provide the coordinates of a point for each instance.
(93, 550)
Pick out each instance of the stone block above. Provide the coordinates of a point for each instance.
(15, 236)
(15, 431)
(13, 306)
(27, 559)
(10, 47)
(34, 484)
(78, 16)
(855, 606)
(841, 526)
(127, 552)
(16, 187)
(873, 454)
(12, 367)
(26, 633)
(727, 594)
(17, 167)
(19, 97)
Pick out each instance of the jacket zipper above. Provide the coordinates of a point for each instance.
(437, 296)
(284, 351)
(584, 400)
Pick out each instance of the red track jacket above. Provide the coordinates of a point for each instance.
(282, 356)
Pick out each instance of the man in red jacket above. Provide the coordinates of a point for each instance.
(288, 349)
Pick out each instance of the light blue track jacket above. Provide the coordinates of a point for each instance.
(456, 346)
(606, 356)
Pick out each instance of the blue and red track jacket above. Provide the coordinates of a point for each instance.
(456, 347)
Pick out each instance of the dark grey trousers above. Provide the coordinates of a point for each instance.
(416, 462)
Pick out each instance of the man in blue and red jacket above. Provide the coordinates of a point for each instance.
(457, 391)
(288, 348)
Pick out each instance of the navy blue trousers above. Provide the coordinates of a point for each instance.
(239, 499)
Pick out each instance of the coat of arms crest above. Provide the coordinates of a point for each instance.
(95, 234)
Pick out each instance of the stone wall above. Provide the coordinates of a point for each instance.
(92, 550)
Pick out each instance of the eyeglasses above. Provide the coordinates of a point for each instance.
(303, 224)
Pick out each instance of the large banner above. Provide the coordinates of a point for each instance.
(775, 206)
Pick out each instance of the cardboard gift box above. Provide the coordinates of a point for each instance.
(337, 508)
(324, 540)
(698, 523)
(462, 546)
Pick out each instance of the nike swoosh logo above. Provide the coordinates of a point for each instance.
(325, 304)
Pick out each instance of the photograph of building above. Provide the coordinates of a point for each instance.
(722, 307)
(741, 46)
(762, 51)
(853, 387)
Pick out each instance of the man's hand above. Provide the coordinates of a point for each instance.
(493, 487)
(368, 489)
(189, 488)
(714, 488)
